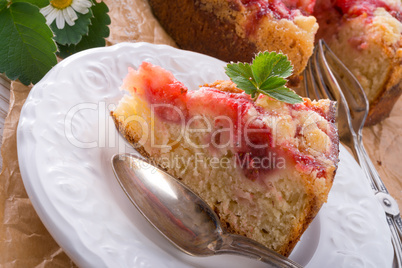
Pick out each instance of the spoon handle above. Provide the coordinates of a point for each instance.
(241, 245)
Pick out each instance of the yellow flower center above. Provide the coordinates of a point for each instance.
(61, 4)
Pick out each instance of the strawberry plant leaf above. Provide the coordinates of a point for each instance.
(72, 34)
(98, 31)
(26, 44)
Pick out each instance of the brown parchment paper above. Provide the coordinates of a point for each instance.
(25, 242)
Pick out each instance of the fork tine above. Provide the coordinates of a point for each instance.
(354, 93)
(319, 75)
(321, 83)
(338, 68)
(310, 86)
(308, 83)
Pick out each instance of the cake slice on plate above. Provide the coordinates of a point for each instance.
(265, 166)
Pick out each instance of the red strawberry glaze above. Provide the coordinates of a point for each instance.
(257, 152)
(218, 102)
(329, 115)
(307, 105)
(160, 88)
(253, 137)
(276, 7)
(279, 9)
(308, 164)
(354, 8)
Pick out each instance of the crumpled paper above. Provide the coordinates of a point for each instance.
(25, 242)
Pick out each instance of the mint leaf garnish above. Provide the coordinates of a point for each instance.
(98, 31)
(286, 95)
(26, 45)
(266, 75)
(72, 34)
(241, 74)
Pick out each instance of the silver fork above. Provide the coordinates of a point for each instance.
(326, 77)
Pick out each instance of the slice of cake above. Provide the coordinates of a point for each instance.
(366, 36)
(234, 30)
(264, 166)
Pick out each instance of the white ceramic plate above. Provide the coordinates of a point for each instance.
(65, 142)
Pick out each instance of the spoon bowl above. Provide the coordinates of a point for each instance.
(182, 216)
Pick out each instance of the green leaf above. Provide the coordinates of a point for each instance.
(282, 66)
(286, 95)
(99, 23)
(98, 31)
(242, 75)
(273, 82)
(72, 34)
(262, 66)
(26, 45)
(3, 4)
(266, 75)
(38, 3)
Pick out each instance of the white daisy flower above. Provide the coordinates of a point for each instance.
(65, 11)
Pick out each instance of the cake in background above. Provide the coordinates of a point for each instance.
(236, 30)
(364, 34)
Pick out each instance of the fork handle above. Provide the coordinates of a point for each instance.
(386, 200)
(396, 241)
(362, 157)
(372, 171)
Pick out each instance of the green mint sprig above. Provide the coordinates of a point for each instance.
(266, 75)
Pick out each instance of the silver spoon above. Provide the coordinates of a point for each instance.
(181, 216)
